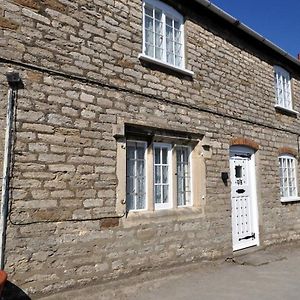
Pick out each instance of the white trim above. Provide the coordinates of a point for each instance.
(289, 199)
(169, 204)
(165, 64)
(279, 107)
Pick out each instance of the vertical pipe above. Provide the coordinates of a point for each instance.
(6, 172)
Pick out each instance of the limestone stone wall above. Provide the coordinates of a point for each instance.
(79, 64)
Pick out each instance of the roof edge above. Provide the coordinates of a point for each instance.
(229, 18)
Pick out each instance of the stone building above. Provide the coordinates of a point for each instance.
(140, 135)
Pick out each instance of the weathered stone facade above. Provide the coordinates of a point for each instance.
(78, 61)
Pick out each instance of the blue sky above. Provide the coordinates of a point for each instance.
(276, 20)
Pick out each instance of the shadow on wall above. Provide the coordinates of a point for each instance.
(12, 292)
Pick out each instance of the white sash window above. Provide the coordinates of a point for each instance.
(163, 33)
(288, 181)
(283, 88)
(162, 175)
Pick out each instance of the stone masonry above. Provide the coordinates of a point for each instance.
(78, 61)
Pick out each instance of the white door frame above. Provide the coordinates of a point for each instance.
(246, 151)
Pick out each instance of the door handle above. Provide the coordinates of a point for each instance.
(240, 191)
(248, 237)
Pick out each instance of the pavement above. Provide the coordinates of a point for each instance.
(266, 274)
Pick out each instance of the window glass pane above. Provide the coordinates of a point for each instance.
(130, 168)
(130, 185)
(178, 61)
(140, 168)
(149, 36)
(164, 155)
(165, 174)
(157, 194)
(140, 152)
(148, 27)
(148, 10)
(140, 204)
(158, 14)
(158, 53)
(130, 152)
(177, 36)
(169, 21)
(157, 176)
(165, 193)
(149, 50)
(129, 202)
(157, 155)
(141, 193)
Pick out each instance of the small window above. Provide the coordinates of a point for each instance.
(288, 181)
(163, 33)
(283, 88)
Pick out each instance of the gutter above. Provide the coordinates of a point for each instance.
(13, 81)
(230, 19)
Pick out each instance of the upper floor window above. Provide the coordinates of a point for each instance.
(283, 88)
(288, 181)
(163, 33)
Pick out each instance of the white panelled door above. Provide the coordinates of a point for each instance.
(243, 198)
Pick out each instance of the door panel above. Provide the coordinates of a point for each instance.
(243, 209)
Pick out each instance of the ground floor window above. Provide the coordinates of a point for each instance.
(168, 173)
(288, 182)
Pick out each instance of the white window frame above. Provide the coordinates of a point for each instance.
(283, 88)
(145, 172)
(149, 173)
(167, 11)
(169, 204)
(190, 175)
(286, 159)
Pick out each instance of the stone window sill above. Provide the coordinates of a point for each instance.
(136, 218)
(290, 199)
(286, 110)
(165, 65)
